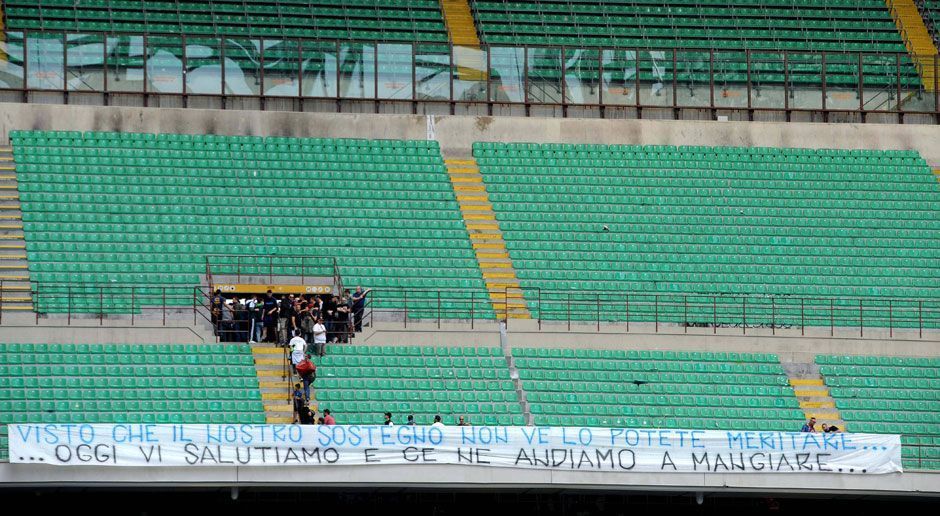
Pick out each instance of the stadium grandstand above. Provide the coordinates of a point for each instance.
(565, 256)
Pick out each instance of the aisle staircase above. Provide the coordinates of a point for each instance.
(14, 274)
(488, 244)
(468, 56)
(916, 38)
(813, 395)
(270, 363)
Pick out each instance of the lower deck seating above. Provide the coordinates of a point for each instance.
(664, 389)
(892, 395)
(127, 383)
(360, 383)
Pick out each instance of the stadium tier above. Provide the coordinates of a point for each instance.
(663, 389)
(363, 382)
(124, 383)
(898, 395)
(807, 236)
(146, 209)
(383, 20)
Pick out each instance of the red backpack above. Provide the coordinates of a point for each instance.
(306, 367)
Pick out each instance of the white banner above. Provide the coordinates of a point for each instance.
(560, 448)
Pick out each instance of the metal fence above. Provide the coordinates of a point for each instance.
(749, 81)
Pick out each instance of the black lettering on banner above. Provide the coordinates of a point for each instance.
(191, 456)
(370, 455)
(667, 460)
(291, 455)
(719, 460)
(310, 454)
(410, 458)
(696, 461)
(801, 460)
(59, 455)
(238, 455)
(331, 455)
(737, 465)
(264, 453)
(468, 458)
(783, 458)
(631, 459)
(603, 457)
(564, 457)
(522, 456)
(758, 466)
(585, 458)
(148, 456)
(820, 465)
(426, 455)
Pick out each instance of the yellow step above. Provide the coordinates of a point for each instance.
(817, 404)
(479, 216)
(13, 246)
(481, 225)
(273, 384)
(821, 417)
(267, 350)
(476, 207)
(276, 373)
(269, 361)
(17, 308)
(481, 198)
(11, 277)
(495, 265)
(275, 395)
(460, 162)
(486, 236)
(279, 420)
(464, 170)
(19, 288)
(811, 394)
(490, 275)
(489, 245)
(455, 179)
(18, 267)
(7, 177)
(481, 255)
(807, 381)
(469, 188)
(12, 256)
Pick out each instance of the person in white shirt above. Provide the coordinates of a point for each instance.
(298, 345)
(319, 337)
(437, 422)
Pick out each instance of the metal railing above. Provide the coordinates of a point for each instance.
(550, 310)
(155, 66)
(272, 266)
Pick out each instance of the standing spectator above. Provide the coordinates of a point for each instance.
(359, 306)
(256, 318)
(319, 337)
(388, 419)
(328, 418)
(461, 422)
(411, 420)
(269, 309)
(306, 322)
(241, 320)
(299, 404)
(298, 347)
(437, 422)
(228, 322)
(810, 426)
(308, 416)
(285, 317)
(215, 311)
(329, 317)
(343, 323)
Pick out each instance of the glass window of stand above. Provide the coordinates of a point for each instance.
(84, 62)
(281, 67)
(125, 63)
(242, 66)
(319, 64)
(45, 61)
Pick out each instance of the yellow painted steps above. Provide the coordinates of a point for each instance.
(794, 382)
(916, 38)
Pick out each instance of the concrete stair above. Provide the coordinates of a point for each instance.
(274, 384)
(14, 269)
(813, 395)
(916, 38)
(487, 239)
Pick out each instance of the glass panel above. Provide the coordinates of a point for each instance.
(915, 95)
(544, 75)
(125, 63)
(281, 68)
(619, 77)
(357, 70)
(11, 61)
(84, 59)
(879, 82)
(693, 76)
(582, 74)
(242, 66)
(507, 72)
(164, 64)
(656, 77)
(45, 62)
(767, 76)
(203, 66)
(395, 71)
(805, 76)
(730, 79)
(842, 81)
(469, 74)
(318, 62)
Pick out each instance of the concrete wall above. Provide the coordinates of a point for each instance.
(461, 477)
(457, 133)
